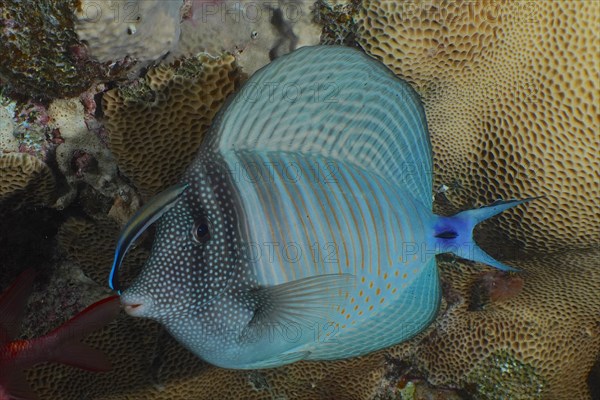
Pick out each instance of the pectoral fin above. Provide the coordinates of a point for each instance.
(304, 301)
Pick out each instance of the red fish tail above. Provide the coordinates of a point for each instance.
(64, 343)
(12, 304)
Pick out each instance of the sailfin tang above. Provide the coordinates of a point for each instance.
(143, 218)
(378, 125)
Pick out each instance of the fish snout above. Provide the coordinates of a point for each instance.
(136, 306)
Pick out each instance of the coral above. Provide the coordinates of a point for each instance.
(63, 135)
(542, 343)
(24, 128)
(156, 125)
(493, 373)
(25, 181)
(8, 141)
(512, 104)
(144, 30)
(338, 20)
(255, 32)
(41, 54)
(82, 157)
(494, 286)
(149, 365)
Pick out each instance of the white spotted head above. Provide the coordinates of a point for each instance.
(193, 256)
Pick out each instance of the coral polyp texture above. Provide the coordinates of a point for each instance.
(539, 344)
(41, 54)
(512, 99)
(156, 124)
(25, 181)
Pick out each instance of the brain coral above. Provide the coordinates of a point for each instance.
(540, 344)
(25, 181)
(512, 101)
(156, 125)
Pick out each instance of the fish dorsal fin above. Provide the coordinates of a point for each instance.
(336, 102)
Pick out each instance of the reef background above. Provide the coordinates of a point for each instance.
(103, 104)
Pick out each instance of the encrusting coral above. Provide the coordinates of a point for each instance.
(156, 124)
(142, 29)
(255, 32)
(41, 54)
(82, 156)
(512, 103)
(338, 20)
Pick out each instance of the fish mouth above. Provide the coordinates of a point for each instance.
(133, 309)
(136, 306)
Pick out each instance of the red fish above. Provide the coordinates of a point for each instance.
(62, 345)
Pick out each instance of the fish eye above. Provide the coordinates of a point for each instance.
(201, 232)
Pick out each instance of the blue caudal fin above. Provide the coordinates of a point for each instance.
(455, 234)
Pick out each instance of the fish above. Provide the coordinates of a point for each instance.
(62, 345)
(306, 231)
